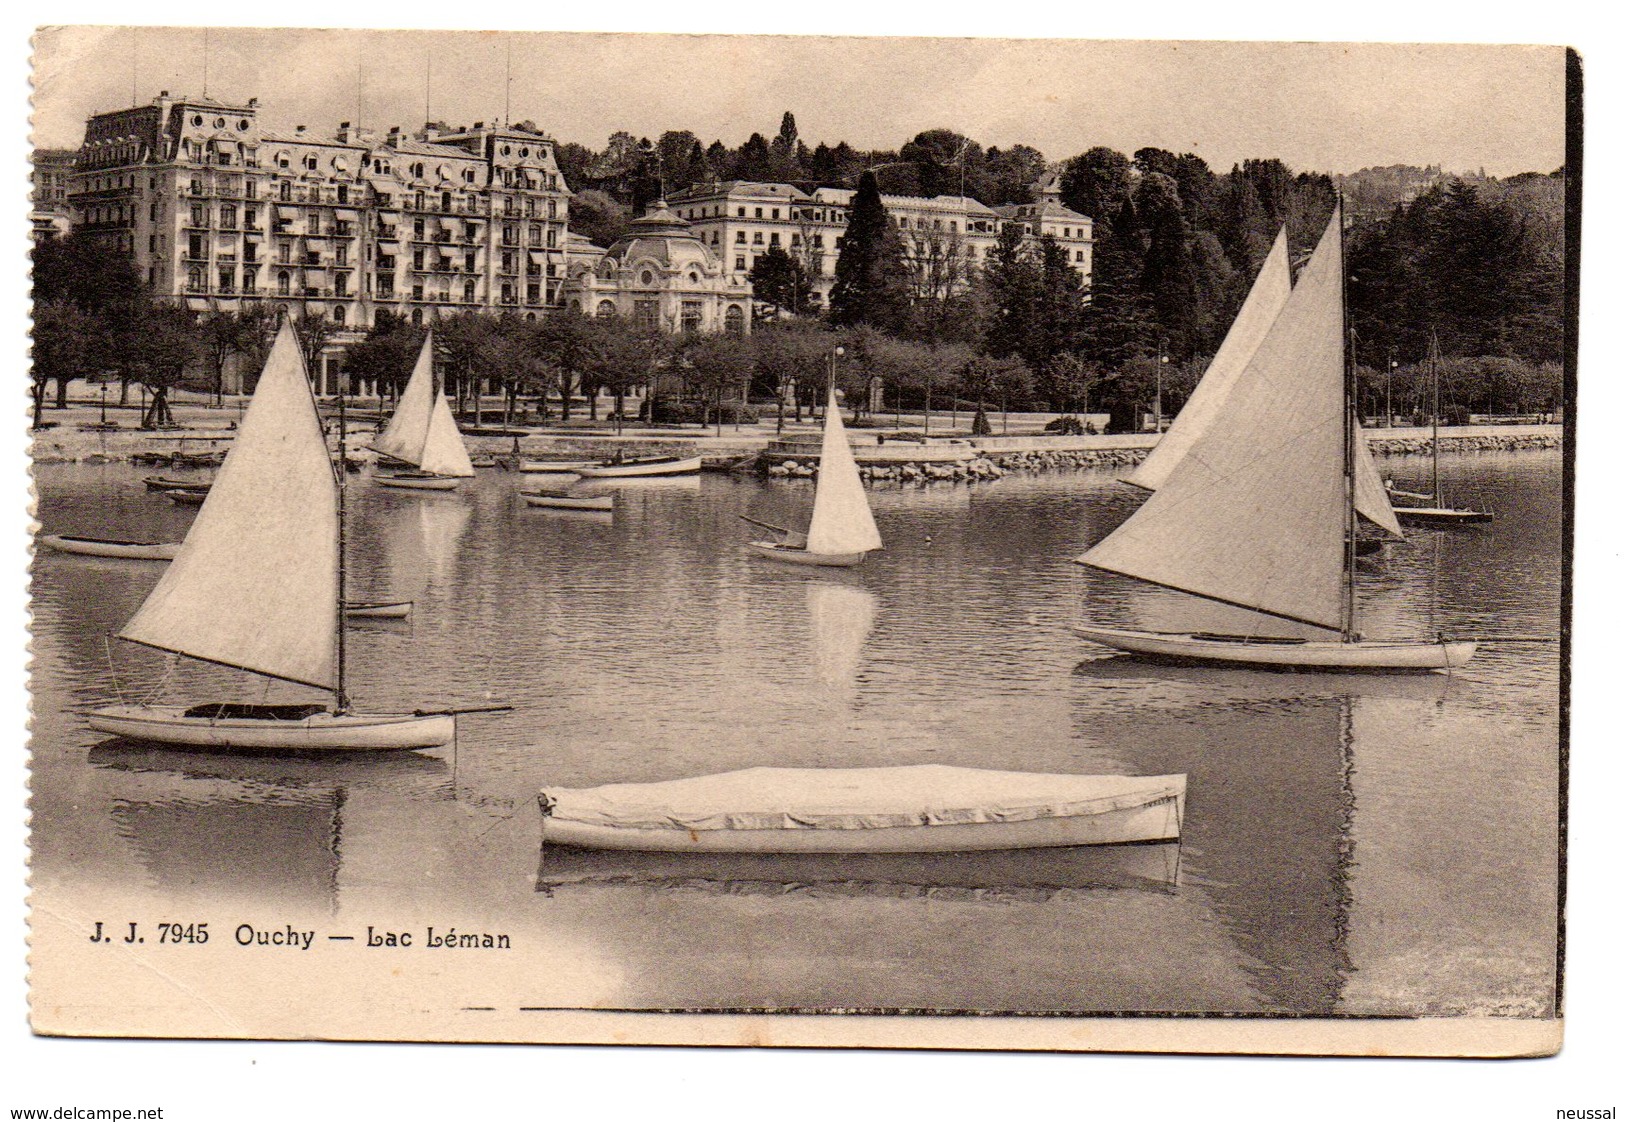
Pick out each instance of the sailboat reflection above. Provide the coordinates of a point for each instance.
(841, 617)
(254, 828)
(1024, 875)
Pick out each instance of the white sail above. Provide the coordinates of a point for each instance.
(255, 584)
(408, 430)
(443, 450)
(1268, 296)
(1255, 513)
(1370, 496)
(841, 520)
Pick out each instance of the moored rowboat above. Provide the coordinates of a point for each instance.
(569, 502)
(650, 465)
(383, 609)
(554, 467)
(186, 498)
(925, 808)
(112, 547)
(1441, 516)
(163, 483)
(1267, 651)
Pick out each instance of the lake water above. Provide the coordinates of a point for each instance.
(1354, 845)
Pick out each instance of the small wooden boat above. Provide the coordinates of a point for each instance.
(1285, 429)
(924, 808)
(646, 465)
(483, 461)
(164, 483)
(555, 467)
(186, 498)
(258, 585)
(382, 609)
(112, 547)
(559, 500)
(842, 530)
(1281, 652)
(423, 434)
(1441, 516)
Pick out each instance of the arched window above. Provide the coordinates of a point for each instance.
(468, 292)
(733, 320)
(282, 283)
(194, 279)
(606, 309)
(338, 314)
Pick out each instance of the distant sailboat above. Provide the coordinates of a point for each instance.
(1260, 512)
(1431, 509)
(424, 434)
(842, 530)
(258, 585)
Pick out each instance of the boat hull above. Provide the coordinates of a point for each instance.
(554, 467)
(573, 502)
(904, 810)
(1441, 516)
(323, 732)
(630, 470)
(795, 555)
(1376, 656)
(186, 498)
(101, 547)
(163, 483)
(419, 483)
(394, 610)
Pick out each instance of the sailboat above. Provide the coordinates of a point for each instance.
(842, 530)
(423, 433)
(258, 585)
(1431, 509)
(1260, 512)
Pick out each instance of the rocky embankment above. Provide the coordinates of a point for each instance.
(1492, 442)
(994, 465)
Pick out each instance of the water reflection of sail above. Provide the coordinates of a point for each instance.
(841, 617)
(1266, 831)
(1001, 875)
(261, 830)
(424, 537)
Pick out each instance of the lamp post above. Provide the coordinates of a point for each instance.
(1388, 389)
(104, 405)
(1162, 360)
(829, 392)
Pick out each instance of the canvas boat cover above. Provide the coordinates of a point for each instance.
(767, 798)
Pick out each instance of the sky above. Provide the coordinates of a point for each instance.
(1322, 107)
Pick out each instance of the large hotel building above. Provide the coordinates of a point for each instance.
(215, 210)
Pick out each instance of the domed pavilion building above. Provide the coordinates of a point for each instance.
(661, 275)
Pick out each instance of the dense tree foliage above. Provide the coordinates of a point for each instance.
(871, 280)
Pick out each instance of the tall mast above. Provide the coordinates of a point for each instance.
(1350, 521)
(1433, 367)
(340, 699)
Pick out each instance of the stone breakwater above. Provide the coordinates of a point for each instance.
(1496, 442)
(996, 465)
